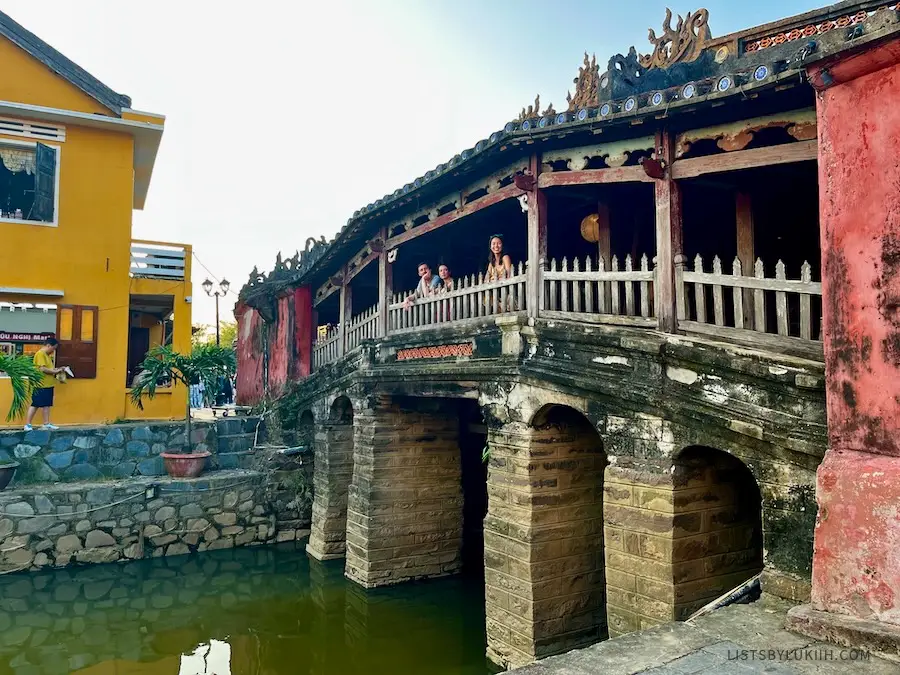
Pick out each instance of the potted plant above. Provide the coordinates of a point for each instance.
(205, 363)
(23, 376)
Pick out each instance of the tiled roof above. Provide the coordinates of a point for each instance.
(687, 69)
(61, 65)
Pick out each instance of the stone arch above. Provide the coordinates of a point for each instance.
(331, 481)
(544, 536)
(341, 410)
(718, 534)
(306, 429)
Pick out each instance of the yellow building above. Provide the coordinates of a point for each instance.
(75, 159)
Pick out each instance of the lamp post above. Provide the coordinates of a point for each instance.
(218, 293)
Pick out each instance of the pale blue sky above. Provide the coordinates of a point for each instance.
(284, 118)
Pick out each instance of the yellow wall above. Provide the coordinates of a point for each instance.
(88, 254)
(26, 80)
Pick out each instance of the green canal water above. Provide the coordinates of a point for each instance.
(256, 611)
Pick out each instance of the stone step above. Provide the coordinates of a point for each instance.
(234, 443)
(236, 425)
(235, 460)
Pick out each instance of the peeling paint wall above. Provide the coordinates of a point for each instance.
(856, 566)
(249, 355)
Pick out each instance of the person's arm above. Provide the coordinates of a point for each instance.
(507, 263)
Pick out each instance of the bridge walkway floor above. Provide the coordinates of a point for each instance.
(739, 639)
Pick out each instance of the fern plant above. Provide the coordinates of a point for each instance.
(206, 363)
(23, 377)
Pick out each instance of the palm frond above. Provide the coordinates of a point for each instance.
(23, 376)
(204, 364)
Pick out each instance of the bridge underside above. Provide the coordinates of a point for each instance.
(632, 476)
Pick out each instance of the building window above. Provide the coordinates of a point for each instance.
(24, 327)
(28, 182)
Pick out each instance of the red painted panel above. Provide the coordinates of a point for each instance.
(856, 563)
(303, 333)
(249, 356)
(859, 161)
(281, 346)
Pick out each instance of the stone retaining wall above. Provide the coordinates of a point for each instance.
(110, 451)
(59, 525)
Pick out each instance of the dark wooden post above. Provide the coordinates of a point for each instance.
(668, 234)
(745, 248)
(385, 288)
(537, 241)
(346, 312)
(604, 245)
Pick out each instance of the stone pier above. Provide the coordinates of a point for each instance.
(544, 580)
(404, 518)
(331, 481)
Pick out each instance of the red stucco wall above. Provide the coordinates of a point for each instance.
(856, 563)
(281, 346)
(303, 333)
(249, 356)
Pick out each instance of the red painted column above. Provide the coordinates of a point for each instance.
(249, 389)
(303, 332)
(856, 563)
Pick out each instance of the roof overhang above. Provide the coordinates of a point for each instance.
(146, 135)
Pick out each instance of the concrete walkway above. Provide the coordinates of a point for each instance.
(737, 639)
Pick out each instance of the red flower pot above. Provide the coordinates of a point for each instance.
(184, 466)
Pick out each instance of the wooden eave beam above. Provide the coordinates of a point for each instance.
(622, 174)
(801, 151)
(362, 265)
(490, 199)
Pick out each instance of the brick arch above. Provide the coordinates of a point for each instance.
(718, 538)
(331, 480)
(544, 542)
(341, 410)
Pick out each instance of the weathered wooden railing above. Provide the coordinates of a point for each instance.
(471, 298)
(603, 295)
(327, 347)
(361, 327)
(781, 306)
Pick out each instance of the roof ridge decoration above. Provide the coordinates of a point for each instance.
(286, 271)
(681, 45)
(587, 85)
(534, 110)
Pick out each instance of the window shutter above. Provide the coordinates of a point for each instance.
(44, 184)
(76, 330)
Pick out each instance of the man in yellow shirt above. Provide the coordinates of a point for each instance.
(42, 397)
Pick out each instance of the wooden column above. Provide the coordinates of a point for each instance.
(604, 245)
(537, 241)
(745, 251)
(346, 313)
(668, 234)
(385, 287)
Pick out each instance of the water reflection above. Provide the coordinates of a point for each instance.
(261, 611)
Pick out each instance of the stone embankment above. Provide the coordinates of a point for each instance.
(54, 526)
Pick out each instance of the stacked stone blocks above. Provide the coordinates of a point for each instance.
(116, 451)
(59, 525)
(331, 481)
(404, 517)
(676, 538)
(544, 567)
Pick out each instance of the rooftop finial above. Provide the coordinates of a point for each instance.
(683, 44)
(587, 85)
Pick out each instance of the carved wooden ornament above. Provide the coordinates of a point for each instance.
(681, 45)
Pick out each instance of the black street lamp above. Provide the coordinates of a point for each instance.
(218, 293)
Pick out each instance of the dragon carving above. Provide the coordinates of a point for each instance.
(681, 45)
(587, 85)
(534, 110)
